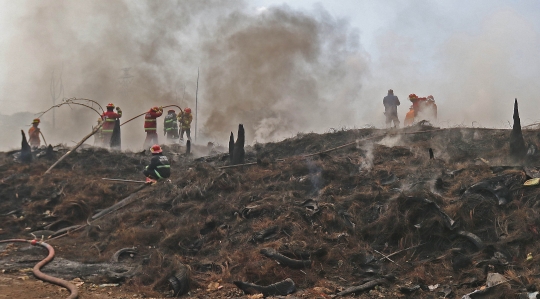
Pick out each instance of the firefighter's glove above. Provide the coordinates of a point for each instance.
(118, 109)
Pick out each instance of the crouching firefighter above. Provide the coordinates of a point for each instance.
(159, 167)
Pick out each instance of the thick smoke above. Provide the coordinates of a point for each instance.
(281, 72)
(278, 72)
(474, 71)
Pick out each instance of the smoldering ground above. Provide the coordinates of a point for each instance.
(278, 71)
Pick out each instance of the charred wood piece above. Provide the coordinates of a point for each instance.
(42, 234)
(239, 152)
(472, 238)
(265, 235)
(231, 148)
(431, 157)
(67, 269)
(65, 230)
(362, 288)
(282, 288)
(251, 211)
(26, 150)
(517, 144)
(285, 261)
(188, 147)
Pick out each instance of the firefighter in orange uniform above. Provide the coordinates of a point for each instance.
(426, 107)
(150, 126)
(109, 117)
(33, 134)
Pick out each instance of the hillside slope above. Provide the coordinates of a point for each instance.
(378, 211)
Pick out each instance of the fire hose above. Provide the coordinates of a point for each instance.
(146, 112)
(36, 270)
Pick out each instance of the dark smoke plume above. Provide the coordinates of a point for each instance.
(280, 71)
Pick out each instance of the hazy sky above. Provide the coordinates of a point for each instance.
(279, 67)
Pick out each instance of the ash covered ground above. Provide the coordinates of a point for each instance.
(379, 215)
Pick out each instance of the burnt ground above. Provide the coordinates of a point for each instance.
(447, 223)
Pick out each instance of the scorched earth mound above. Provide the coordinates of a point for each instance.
(376, 218)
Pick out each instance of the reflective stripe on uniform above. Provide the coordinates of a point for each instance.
(163, 166)
(157, 173)
(110, 119)
(149, 119)
(149, 129)
(107, 131)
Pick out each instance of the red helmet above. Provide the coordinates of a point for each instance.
(110, 105)
(36, 121)
(187, 110)
(156, 149)
(413, 96)
(155, 108)
(171, 110)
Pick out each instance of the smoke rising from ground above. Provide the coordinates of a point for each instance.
(278, 71)
(474, 72)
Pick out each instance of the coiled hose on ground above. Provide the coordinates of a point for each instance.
(36, 270)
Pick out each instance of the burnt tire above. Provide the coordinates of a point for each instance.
(180, 281)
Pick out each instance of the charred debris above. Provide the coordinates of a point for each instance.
(381, 217)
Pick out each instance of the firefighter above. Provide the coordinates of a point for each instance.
(413, 110)
(170, 125)
(33, 134)
(109, 117)
(159, 167)
(390, 103)
(185, 119)
(150, 126)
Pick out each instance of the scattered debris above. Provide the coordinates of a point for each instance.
(282, 288)
(362, 288)
(285, 261)
(180, 280)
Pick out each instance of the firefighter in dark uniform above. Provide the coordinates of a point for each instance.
(159, 167)
(170, 125)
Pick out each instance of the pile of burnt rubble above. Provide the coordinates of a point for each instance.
(424, 213)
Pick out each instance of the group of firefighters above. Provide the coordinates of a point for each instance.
(425, 108)
(170, 124)
(159, 167)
